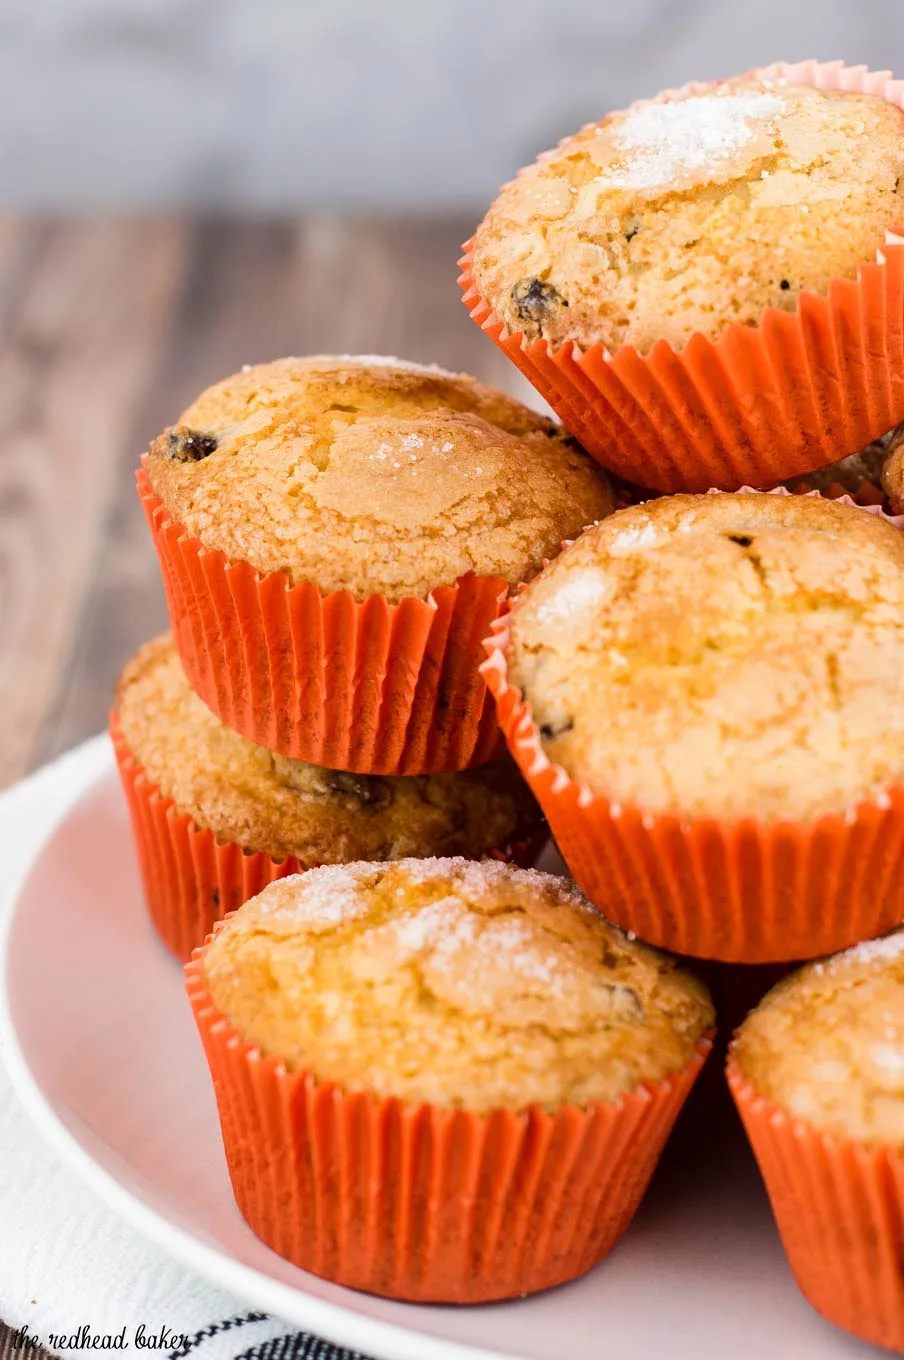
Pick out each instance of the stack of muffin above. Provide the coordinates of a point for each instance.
(335, 537)
(450, 1078)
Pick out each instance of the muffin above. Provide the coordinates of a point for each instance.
(440, 1080)
(706, 693)
(335, 535)
(735, 989)
(859, 476)
(685, 247)
(893, 470)
(641, 227)
(216, 818)
(817, 1071)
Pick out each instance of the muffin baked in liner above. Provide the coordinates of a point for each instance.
(418, 1203)
(839, 1207)
(192, 878)
(365, 686)
(865, 495)
(760, 403)
(744, 892)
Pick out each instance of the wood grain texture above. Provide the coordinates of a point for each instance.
(107, 330)
(84, 312)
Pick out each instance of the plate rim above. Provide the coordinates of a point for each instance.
(330, 1321)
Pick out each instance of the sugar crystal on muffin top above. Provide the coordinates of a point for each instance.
(689, 215)
(827, 1044)
(390, 479)
(461, 984)
(665, 141)
(737, 656)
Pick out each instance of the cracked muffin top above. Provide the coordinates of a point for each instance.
(827, 1044)
(688, 215)
(263, 801)
(374, 476)
(455, 983)
(722, 655)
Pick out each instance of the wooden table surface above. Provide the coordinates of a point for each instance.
(107, 330)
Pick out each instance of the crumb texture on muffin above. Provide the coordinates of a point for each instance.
(453, 982)
(688, 215)
(893, 470)
(827, 1044)
(723, 655)
(374, 477)
(267, 802)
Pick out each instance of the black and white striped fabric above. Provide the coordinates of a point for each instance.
(256, 1336)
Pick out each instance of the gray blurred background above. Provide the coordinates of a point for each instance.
(187, 185)
(141, 104)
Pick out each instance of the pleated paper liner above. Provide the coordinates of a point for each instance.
(744, 892)
(865, 496)
(760, 403)
(424, 1204)
(365, 686)
(839, 1207)
(192, 878)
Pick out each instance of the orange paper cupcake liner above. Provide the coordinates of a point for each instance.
(192, 879)
(839, 1208)
(760, 403)
(866, 496)
(365, 686)
(424, 1204)
(744, 892)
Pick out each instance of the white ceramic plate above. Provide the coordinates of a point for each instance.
(102, 1049)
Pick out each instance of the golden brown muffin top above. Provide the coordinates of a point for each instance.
(722, 655)
(691, 214)
(455, 983)
(827, 1044)
(374, 476)
(264, 801)
(893, 470)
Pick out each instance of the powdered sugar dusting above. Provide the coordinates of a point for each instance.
(453, 936)
(578, 593)
(383, 361)
(320, 899)
(634, 537)
(889, 1058)
(664, 141)
(331, 896)
(442, 924)
(472, 878)
(887, 947)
